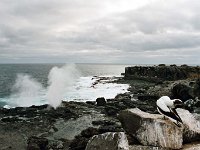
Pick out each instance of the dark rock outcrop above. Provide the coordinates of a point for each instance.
(101, 101)
(182, 91)
(36, 143)
(162, 72)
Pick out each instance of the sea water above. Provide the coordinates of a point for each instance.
(37, 84)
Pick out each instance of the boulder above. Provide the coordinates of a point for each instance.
(191, 146)
(108, 141)
(101, 101)
(151, 129)
(191, 130)
(37, 143)
(123, 96)
(197, 88)
(182, 91)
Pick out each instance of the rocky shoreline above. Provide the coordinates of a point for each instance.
(73, 124)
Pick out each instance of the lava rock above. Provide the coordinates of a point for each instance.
(37, 143)
(182, 92)
(123, 96)
(197, 88)
(89, 132)
(91, 102)
(101, 101)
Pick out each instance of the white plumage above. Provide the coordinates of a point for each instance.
(167, 107)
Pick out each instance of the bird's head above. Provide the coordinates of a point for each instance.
(178, 103)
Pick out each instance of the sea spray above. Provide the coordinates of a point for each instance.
(60, 81)
(25, 92)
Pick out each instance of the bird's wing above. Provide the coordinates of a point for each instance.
(175, 112)
(162, 106)
(171, 114)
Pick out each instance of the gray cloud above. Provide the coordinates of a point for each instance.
(100, 31)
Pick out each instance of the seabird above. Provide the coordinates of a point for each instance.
(167, 107)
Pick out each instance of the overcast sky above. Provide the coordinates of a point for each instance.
(100, 31)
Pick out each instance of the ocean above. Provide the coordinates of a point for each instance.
(37, 84)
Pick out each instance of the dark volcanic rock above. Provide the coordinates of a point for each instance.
(36, 143)
(197, 88)
(89, 132)
(147, 97)
(111, 110)
(182, 92)
(80, 141)
(161, 72)
(103, 122)
(101, 101)
(91, 102)
(122, 96)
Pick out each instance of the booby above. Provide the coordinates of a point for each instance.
(167, 107)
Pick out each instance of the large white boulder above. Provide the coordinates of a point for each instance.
(151, 129)
(191, 126)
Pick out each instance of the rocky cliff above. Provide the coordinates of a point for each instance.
(162, 72)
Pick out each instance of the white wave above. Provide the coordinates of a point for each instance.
(66, 84)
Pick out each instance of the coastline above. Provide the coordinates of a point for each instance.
(72, 124)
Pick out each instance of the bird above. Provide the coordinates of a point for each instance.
(167, 107)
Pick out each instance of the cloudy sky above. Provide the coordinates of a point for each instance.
(100, 31)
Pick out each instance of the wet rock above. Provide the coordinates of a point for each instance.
(103, 122)
(110, 128)
(192, 104)
(11, 119)
(151, 129)
(81, 140)
(79, 143)
(197, 110)
(101, 101)
(109, 141)
(37, 143)
(123, 96)
(91, 102)
(197, 88)
(148, 97)
(182, 92)
(111, 110)
(189, 104)
(89, 132)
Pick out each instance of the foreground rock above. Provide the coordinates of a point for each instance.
(108, 141)
(151, 129)
(191, 130)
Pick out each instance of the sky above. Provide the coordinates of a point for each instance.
(100, 31)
